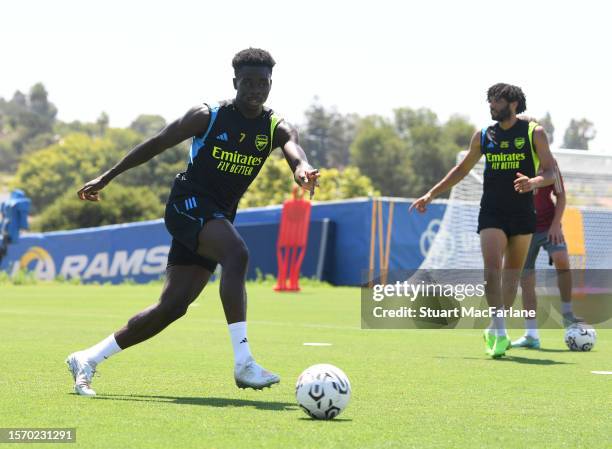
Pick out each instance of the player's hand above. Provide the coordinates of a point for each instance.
(90, 191)
(421, 204)
(555, 234)
(523, 184)
(307, 178)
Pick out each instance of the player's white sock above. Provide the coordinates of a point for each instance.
(103, 350)
(531, 328)
(491, 328)
(566, 307)
(240, 343)
(499, 323)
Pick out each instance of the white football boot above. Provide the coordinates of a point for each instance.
(82, 372)
(252, 375)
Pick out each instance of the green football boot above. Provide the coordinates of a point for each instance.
(501, 345)
(489, 338)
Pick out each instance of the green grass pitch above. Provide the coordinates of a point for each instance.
(415, 388)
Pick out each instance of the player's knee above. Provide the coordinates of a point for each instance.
(561, 261)
(237, 258)
(493, 277)
(172, 312)
(528, 274)
(527, 282)
(172, 308)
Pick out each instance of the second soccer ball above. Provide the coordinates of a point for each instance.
(580, 338)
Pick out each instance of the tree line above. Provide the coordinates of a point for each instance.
(401, 155)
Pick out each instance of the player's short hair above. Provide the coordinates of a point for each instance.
(252, 57)
(509, 93)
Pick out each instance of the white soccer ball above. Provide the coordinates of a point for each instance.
(580, 338)
(323, 391)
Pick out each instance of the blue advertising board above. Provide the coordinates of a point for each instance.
(343, 241)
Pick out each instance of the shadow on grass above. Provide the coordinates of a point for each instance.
(327, 420)
(529, 361)
(512, 358)
(209, 402)
(551, 350)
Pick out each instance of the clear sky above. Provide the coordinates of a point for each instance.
(131, 57)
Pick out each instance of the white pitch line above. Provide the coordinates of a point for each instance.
(317, 344)
(601, 372)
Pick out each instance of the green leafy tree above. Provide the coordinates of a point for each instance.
(9, 156)
(409, 155)
(407, 120)
(578, 134)
(39, 141)
(119, 204)
(122, 139)
(63, 128)
(48, 173)
(381, 155)
(39, 105)
(102, 123)
(327, 136)
(275, 184)
(157, 173)
(272, 186)
(148, 125)
(423, 138)
(547, 124)
(346, 183)
(432, 147)
(459, 131)
(26, 123)
(19, 100)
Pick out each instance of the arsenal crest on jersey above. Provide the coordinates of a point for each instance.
(261, 141)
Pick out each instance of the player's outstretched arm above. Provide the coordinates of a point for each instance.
(193, 123)
(455, 174)
(524, 184)
(286, 137)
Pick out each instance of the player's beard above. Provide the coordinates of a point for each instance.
(502, 114)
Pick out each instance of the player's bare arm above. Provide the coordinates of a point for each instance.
(193, 123)
(555, 233)
(455, 174)
(524, 184)
(287, 139)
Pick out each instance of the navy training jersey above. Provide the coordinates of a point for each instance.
(506, 153)
(225, 160)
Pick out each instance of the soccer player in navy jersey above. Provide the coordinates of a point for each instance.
(230, 143)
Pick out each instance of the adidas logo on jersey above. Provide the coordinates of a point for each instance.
(222, 136)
